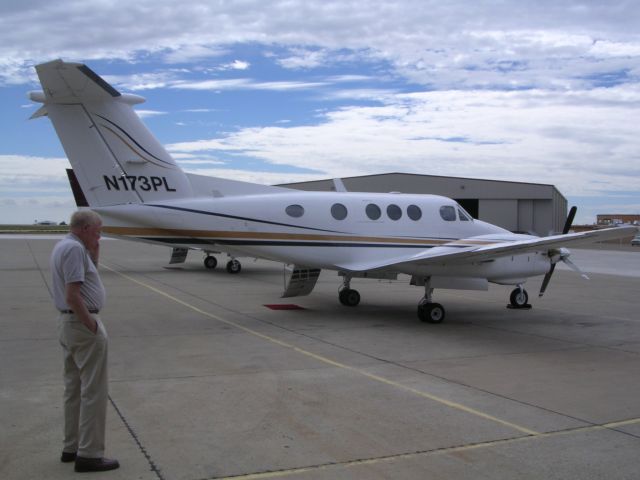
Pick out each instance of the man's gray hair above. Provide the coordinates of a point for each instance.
(82, 218)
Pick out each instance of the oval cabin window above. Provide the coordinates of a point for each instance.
(295, 211)
(414, 212)
(394, 212)
(373, 211)
(338, 211)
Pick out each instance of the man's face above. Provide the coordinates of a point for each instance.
(90, 234)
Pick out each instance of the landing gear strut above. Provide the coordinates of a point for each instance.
(347, 295)
(428, 311)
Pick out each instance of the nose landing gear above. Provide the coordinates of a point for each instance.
(519, 298)
(428, 311)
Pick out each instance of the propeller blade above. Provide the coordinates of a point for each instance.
(563, 256)
(569, 221)
(545, 282)
(575, 268)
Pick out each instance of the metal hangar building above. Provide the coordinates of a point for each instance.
(517, 206)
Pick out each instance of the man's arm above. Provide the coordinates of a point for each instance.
(76, 303)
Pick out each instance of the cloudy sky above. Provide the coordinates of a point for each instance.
(278, 91)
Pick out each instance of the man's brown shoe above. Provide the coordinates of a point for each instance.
(95, 464)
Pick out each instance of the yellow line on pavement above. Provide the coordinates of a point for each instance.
(328, 361)
(438, 451)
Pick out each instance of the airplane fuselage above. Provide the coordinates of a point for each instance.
(326, 230)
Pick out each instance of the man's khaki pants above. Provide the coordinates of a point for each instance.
(85, 386)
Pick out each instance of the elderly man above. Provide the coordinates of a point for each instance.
(79, 296)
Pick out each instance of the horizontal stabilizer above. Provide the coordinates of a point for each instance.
(64, 81)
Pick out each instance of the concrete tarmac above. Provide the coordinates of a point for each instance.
(206, 382)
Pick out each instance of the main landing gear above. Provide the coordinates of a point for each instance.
(428, 311)
(233, 265)
(348, 296)
(210, 262)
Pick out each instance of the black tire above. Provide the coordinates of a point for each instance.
(519, 298)
(210, 262)
(431, 313)
(233, 266)
(349, 297)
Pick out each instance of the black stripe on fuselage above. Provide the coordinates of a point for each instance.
(284, 243)
(246, 219)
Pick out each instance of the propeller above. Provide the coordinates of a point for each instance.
(561, 255)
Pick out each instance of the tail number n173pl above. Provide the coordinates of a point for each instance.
(134, 182)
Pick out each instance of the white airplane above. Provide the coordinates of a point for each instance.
(141, 193)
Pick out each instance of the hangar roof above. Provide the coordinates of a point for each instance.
(458, 187)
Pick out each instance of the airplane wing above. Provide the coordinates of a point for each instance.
(454, 255)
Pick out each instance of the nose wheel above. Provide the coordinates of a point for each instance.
(519, 298)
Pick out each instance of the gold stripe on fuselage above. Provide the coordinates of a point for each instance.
(226, 235)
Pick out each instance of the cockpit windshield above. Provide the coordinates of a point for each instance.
(449, 213)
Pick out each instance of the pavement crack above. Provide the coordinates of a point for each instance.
(152, 465)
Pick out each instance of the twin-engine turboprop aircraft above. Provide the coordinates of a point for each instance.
(142, 194)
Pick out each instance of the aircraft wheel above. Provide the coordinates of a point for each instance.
(519, 298)
(233, 266)
(349, 297)
(210, 262)
(431, 312)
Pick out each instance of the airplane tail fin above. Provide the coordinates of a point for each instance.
(116, 160)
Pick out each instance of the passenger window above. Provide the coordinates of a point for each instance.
(394, 212)
(339, 211)
(295, 211)
(373, 211)
(463, 216)
(448, 213)
(414, 212)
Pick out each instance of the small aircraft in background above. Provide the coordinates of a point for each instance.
(122, 172)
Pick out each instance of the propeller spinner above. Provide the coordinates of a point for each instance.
(562, 254)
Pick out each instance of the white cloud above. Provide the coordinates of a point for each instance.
(256, 176)
(244, 84)
(234, 83)
(236, 65)
(508, 89)
(431, 42)
(536, 136)
(149, 113)
(20, 169)
(193, 53)
(304, 58)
